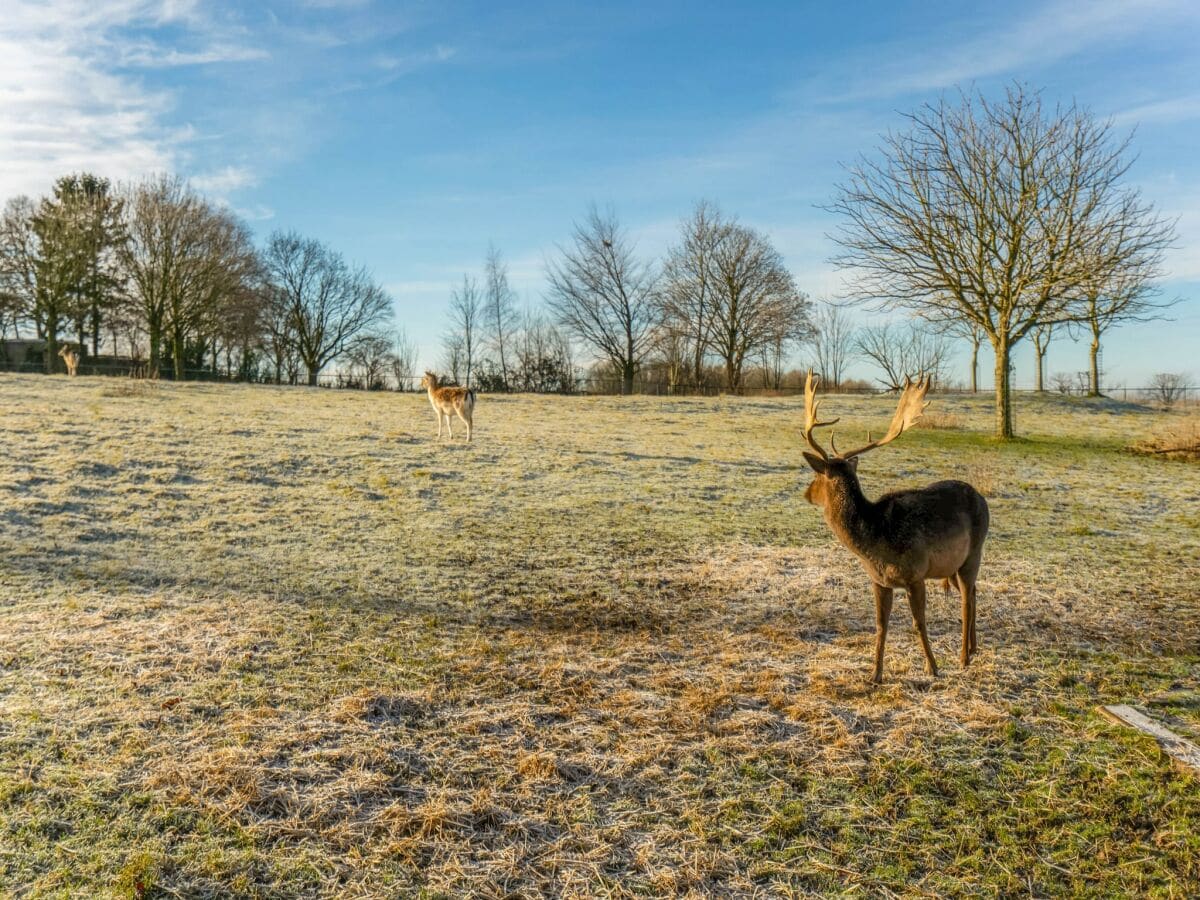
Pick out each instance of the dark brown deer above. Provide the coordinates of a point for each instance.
(903, 538)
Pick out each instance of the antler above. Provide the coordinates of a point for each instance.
(912, 404)
(811, 403)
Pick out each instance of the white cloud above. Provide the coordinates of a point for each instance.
(410, 61)
(70, 95)
(224, 181)
(1169, 110)
(1056, 32)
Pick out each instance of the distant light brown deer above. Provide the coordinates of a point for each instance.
(70, 357)
(447, 401)
(905, 537)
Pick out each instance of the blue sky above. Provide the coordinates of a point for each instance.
(410, 135)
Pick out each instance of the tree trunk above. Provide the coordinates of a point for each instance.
(1004, 417)
(95, 329)
(975, 367)
(177, 351)
(155, 334)
(52, 358)
(312, 376)
(1094, 359)
(1040, 352)
(627, 378)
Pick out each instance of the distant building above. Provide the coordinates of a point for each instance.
(31, 353)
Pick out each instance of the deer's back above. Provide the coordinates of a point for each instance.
(939, 511)
(448, 398)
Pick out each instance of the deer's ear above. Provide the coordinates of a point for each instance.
(852, 462)
(818, 464)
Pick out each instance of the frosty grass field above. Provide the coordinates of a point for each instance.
(278, 642)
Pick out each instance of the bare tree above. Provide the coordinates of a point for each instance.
(182, 257)
(217, 269)
(368, 356)
(1041, 343)
(328, 305)
(670, 360)
(755, 301)
(995, 212)
(833, 342)
(1062, 382)
(499, 314)
(603, 294)
(403, 360)
(543, 357)
(1128, 261)
(279, 336)
(453, 356)
(686, 300)
(18, 262)
(466, 310)
(1168, 387)
(901, 351)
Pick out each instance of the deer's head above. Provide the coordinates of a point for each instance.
(837, 473)
(429, 380)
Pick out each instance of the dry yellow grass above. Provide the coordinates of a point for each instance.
(278, 642)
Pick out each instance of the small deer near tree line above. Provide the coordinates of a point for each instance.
(903, 538)
(447, 401)
(70, 357)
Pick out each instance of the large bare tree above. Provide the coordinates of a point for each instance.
(756, 304)
(603, 294)
(997, 212)
(686, 299)
(327, 303)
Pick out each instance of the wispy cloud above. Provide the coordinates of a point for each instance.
(70, 94)
(224, 181)
(1049, 35)
(148, 55)
(407, 62)
(1171, 109)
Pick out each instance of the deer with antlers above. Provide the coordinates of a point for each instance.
(906, 537)
(447, 401)
(71, 357)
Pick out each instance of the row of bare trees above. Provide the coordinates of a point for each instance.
(162, 269)
(723, 295)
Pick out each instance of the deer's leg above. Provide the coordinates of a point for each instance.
(964, 590)
(450, 426)
(883, 610)
(967, 576)
(439, 415)
(974, 645)
(916, 602)
(467, 422)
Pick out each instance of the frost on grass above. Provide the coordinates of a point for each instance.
(271, 642)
